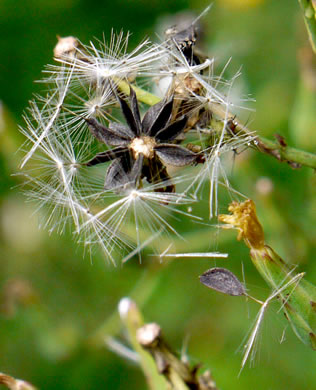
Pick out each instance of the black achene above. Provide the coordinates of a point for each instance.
(143, 147)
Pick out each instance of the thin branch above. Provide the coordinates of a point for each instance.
(132, 320)
(277, 149)
(294, 157)
(297, 305)
(178, 373)
(142, 95)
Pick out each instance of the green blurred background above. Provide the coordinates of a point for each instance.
(54, 298)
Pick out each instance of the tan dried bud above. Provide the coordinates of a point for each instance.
(244, 218)
(66, 47)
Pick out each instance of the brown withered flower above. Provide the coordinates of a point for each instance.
(143, 148)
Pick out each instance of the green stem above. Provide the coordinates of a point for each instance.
(133, 320)
(277, 149)
(294, 157)
(309, 12)
(298, 303)
(142, 95)
(178, 373)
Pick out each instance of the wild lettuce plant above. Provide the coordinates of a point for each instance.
(123, 143)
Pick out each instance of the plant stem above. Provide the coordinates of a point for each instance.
(278, 148)
(133, 320)
(299, 303)
(294, 157)
(309, 12)
(142, 95)
(179, 374)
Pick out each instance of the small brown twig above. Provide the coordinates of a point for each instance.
(178, 373)
(14, 384)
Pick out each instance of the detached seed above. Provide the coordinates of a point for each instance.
(222, 280)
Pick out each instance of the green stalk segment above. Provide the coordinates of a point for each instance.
(298, 300)
(133, 320)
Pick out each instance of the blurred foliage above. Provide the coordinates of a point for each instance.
(54, 298)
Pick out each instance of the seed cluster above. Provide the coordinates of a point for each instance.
(143, 147)
(103, 154)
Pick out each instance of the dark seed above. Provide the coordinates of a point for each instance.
(222, 280)
(175, 155)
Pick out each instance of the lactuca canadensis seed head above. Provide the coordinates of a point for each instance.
(143, 147)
